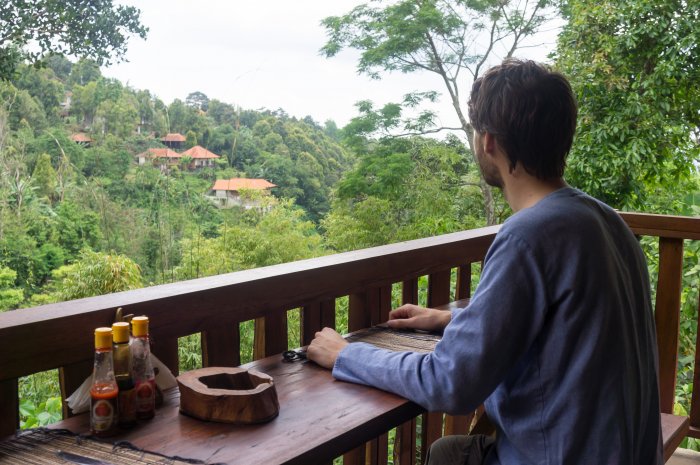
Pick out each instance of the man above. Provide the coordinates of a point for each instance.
(558, 340)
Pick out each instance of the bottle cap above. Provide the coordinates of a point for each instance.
(103, 338)
(140, 326)
(120, 332)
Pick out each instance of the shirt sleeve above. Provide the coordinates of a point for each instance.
(479, 346)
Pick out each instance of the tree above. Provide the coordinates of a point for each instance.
(90, 28)
(44, 177)
(97, 274)
(403, 189)
(634, 67)
(197, 100)
(445, 37)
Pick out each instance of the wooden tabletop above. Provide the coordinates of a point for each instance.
(319, 419)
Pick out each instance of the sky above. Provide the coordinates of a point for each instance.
(263, 54)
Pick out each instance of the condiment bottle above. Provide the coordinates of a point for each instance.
(122, 372)
(142, 369)
(104, 391)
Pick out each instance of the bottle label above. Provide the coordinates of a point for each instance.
(103, 414)
(127, 406)
(146, 397)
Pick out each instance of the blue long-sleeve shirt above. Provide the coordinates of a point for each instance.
(558, 342)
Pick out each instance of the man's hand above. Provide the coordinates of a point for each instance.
(411, 316)
(325, 347)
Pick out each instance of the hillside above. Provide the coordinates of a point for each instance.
(70, 184)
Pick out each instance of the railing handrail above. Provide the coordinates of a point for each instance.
(44, 338)
(649, 224)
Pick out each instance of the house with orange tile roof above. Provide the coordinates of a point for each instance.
(201, 157)
(81, 139)
(174, 140)
(226, 193)
(162, 157)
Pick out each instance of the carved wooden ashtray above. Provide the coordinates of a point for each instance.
(228, 395)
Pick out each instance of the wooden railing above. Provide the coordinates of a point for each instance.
(61, 335)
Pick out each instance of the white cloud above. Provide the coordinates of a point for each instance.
(257, 54)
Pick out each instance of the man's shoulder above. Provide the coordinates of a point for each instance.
(564, 213)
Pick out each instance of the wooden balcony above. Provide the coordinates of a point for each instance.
(61, 335)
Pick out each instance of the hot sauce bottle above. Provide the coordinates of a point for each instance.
(104, 391)
(142, 369)
(122, 372)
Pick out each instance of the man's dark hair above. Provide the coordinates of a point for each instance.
(530, 110)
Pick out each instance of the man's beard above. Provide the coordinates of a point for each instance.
(489, 171)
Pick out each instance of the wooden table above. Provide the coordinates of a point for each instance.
(319, 419)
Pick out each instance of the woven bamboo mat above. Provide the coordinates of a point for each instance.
(44, 446)
(396, 340)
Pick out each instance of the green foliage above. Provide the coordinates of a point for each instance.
(402, 190)
(41, 414)
(274, 234)
(40, 399)
(93, 28)
(10, 297)
(97, 273)
(76, 229)
(44, 176)
(634, 68)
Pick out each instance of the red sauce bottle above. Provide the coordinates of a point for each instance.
(104, 413)
(142, 369)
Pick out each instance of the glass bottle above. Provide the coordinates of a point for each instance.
(142, 369)
(122, 372)
(104, 391)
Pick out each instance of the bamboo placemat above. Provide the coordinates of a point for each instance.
(43, 446)
(396, 340)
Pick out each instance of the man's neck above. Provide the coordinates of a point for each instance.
(522, 190)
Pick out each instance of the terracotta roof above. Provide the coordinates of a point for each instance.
(160, 153)
(199, 152)
(80, 137)
(236, 184)
(174, 137)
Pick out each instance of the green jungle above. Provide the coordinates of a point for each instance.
(85, 218)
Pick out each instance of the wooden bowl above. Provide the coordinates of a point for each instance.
(228, 395)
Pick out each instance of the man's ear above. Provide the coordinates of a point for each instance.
(489, 141)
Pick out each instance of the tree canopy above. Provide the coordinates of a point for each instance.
(86, 28)
(455, 39)
(635, 67)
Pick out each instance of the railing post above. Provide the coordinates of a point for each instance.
(695, 400)
(167, 352)
(464, 282)
(9, 407)
(70, 377)
(409, 291)
(222, 346)
(270, 335)
(315, 317)
(405, 444)
(668, 305)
